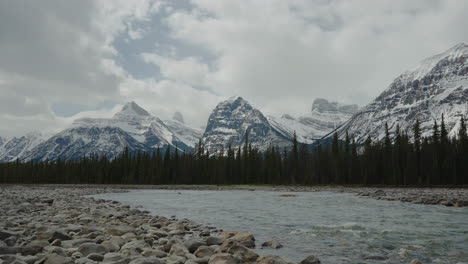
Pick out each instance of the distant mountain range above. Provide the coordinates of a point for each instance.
(437, 86)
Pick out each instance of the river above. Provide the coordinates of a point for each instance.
(335, 227)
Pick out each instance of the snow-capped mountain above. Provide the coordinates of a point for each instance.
(324, 117)
(232, 119)
(189, 136)
(77, 142)
(132, 127)
(18, 147)
(439, 85)
(2, 141)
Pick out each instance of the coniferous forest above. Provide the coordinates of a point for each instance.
(416, 160)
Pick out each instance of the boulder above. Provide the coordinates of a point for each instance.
(310, 260)
(223, 258)
(8, 250)
(135, 244)
(60, 235)
(30, 250)
(244, 238)
(11, 241)
(4, 234)
(76, 242)
(238, 251)
(112, 257)
(272, 260)
(96, 257)
(57, 259)
(204, 251)
(88, 248)
(193, 244)
(273, 244)
(147, 261)
(111, 246)
(415, 261)
(154, 253)
(213, 241)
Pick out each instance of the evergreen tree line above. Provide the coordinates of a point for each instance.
(405, 160)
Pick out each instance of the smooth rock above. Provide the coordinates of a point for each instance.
(4, 234)
(154, 253)
(111, 246)
(10, 241)
(238, 251)
(213, 241)
(60, 235)
(111, 257)
(272, 260)
(57, 259)
(273, 244)
(310, 260)
(244, 238)
(223, 258)
(193, 244)
(8, 250)
(147, 261)
(96, 257)
(88, 248)
(204, 251)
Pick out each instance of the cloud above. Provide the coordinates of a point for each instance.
(55, 51)
(282, 54)
(187, 55)
(189, 70)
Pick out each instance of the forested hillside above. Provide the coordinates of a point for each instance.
(415, 160)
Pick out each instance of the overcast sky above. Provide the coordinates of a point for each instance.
(61, 60)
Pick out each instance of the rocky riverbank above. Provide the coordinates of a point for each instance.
(58, 224)
(54, 225)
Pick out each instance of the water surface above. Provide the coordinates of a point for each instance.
(335, 227)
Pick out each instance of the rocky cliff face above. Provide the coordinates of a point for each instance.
(232, 119)
(439, 85)
(325, 116)
(17, 147)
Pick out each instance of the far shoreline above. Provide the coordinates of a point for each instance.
(456, 196)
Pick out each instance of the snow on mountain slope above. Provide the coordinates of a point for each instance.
(77, 142)
(132, 127)
(439, 85)
(189, 136)
(2, 141)
(18, 147)
(232, 119)
(324, 118)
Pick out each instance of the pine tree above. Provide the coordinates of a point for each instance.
(435, 133)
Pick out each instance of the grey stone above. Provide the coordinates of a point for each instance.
(310, 260)
(147, 261)
(273, 244)
(96, 257)
(223, 258)
(204, 251)
(88, 248)
(193, 244)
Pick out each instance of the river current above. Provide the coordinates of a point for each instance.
(335, 227)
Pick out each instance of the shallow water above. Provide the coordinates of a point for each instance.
(335, 227)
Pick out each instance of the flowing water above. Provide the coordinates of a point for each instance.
(335, 227)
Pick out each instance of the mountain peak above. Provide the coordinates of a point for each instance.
(428, 64)
(178, 117)
(132, 109)
(323, 105)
